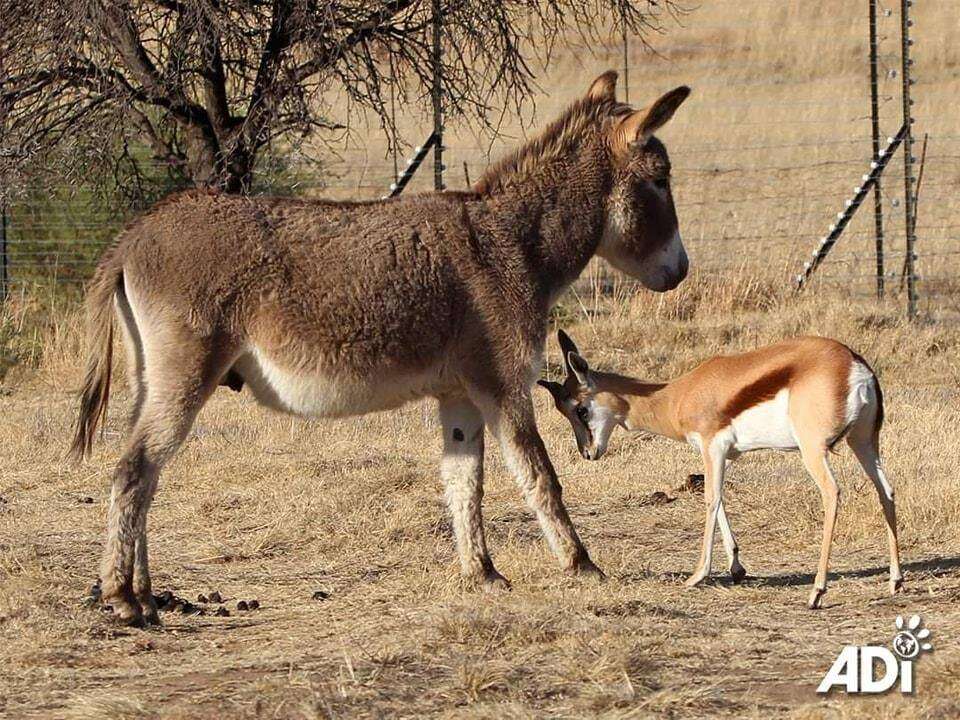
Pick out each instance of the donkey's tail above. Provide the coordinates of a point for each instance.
(95, 394)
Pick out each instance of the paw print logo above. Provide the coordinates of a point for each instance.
(908, 643)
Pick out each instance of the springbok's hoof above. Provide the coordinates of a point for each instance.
(816, 598)
(896, 585)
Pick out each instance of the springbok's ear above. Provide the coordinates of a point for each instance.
(580, 368)
(639, 126)
(567, 346)
(556, 389)
(604, 87)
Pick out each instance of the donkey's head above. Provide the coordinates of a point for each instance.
(591, 412)
(641, 236)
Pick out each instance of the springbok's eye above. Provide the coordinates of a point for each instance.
(583, 414)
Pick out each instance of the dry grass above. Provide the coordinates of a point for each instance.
(258, 505)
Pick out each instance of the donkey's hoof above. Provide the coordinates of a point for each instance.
(816, 598)
(128, 616)
(494, 582)
(151, 616)
(585, 568)
(738, 572)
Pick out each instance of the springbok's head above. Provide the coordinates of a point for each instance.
(591, 412)
(641, 236)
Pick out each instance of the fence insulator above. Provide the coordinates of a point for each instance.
(843, 218)
(419, 153)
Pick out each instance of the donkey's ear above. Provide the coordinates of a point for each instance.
(556, 389)
(579, 367)
(604, 87)
(639, 126)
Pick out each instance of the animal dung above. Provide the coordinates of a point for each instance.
(254, 604)
(215, 597)
(201, 598)
(222, 612)
(657, 498)
(86, 500)
(321, 595)
(242, 606)
(693, 483)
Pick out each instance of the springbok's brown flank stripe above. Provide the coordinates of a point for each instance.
(764, 388)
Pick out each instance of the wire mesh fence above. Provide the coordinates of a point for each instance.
(761, 166)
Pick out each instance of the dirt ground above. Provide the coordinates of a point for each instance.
(261, 506)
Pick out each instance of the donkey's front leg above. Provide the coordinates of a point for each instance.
(525, 455)
(461, 469)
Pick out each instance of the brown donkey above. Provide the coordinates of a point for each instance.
(334, 309)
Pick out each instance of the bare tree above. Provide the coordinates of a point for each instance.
(206, 85)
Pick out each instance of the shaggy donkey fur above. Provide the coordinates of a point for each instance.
(342, 308)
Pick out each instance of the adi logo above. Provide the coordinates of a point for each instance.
(855, 669)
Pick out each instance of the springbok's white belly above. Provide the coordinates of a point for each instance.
(765, 425)
(329, 395)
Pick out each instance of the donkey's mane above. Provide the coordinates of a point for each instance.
(558, 138)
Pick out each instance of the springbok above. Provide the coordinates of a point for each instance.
(343, 308)
(801, 394)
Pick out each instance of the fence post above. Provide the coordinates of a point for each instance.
(4, 274)
(908, 179)
(437, 93)
(875, 127)
(626, 63)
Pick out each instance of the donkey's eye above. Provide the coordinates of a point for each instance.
(583, 414)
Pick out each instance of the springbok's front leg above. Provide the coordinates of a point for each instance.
(526, 457)
(737, 571)
(461, 469)
(714, 461)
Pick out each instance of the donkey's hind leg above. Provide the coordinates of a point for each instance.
(176, 388)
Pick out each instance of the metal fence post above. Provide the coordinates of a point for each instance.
(437, 93)
(4, 273)
(875, 127)
(626, 63)
(908, 179)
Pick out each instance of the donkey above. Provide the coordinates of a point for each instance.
(333, 309)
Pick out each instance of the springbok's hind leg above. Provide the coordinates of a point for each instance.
(461, 469)
(525, 455)
(866, 447)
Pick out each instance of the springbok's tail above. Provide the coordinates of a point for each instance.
(96, 383)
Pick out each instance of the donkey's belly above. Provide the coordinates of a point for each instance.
(319, 394)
